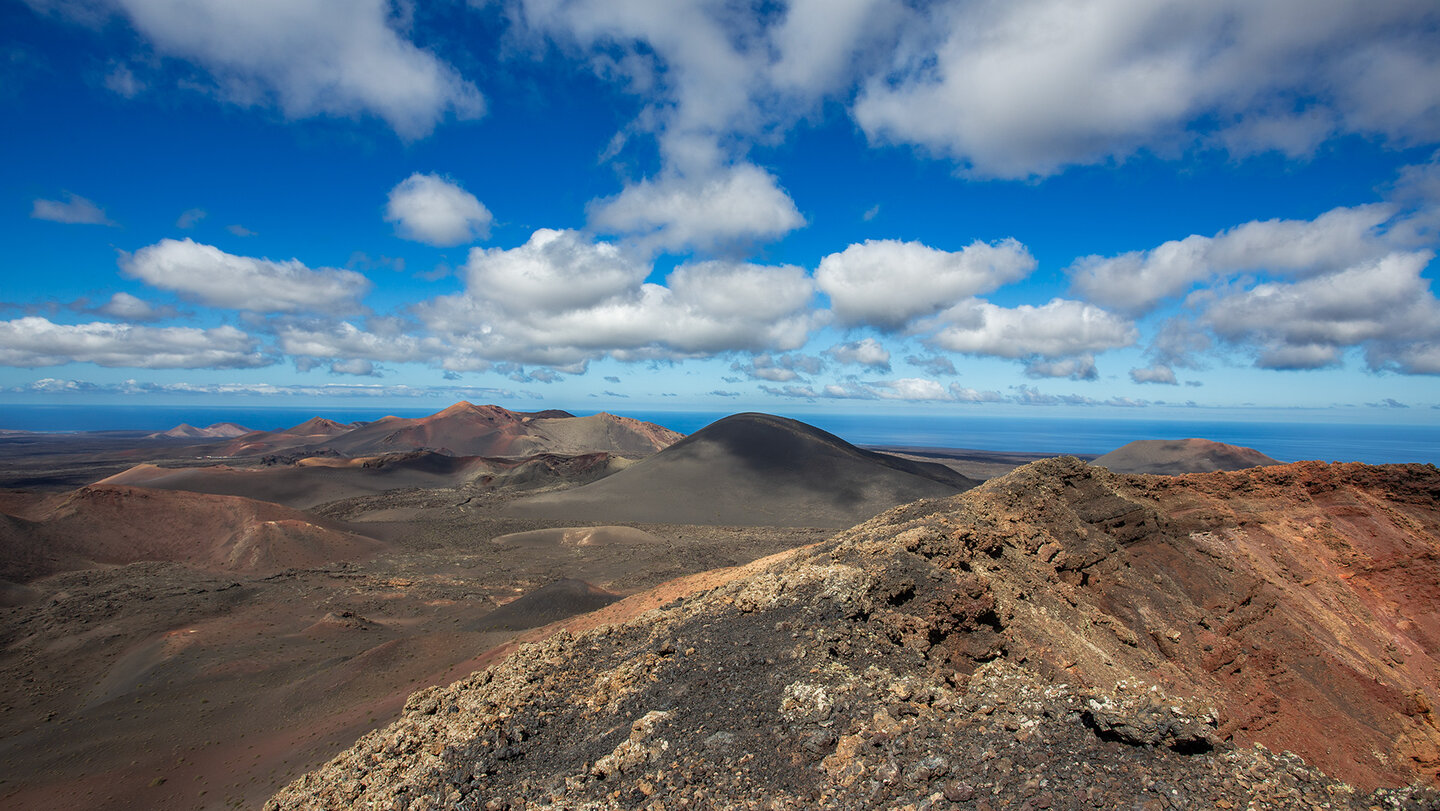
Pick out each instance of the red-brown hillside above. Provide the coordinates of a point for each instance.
(117, 525)
(467, 429)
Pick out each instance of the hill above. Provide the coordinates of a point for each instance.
(1060, 637)
(1176, 456)
(752, 470)
(219, 430)
(115, 525)
(308, 433)
(466, 429)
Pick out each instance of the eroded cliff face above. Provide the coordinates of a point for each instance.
(1061, 636)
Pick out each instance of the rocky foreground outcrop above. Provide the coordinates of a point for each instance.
(1062, 637)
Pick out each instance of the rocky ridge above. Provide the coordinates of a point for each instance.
(1062, 637)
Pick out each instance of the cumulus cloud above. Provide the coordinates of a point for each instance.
(735, 204)
(1384, 307)
(1155, 373)
(1027, 88)
(35, 341)
(436, 211)
(563, 299)
(913, 389)
(73, 210)
(1139, 280)
(345, 342)
(356, 366)
(1081, 367)
(132, 308)
(865, 352)
(779, 368)
(308, 57)
(934, 364)
(1059, 329)
(440, 394)
(210, 276)
(552, 272)
(888, 283)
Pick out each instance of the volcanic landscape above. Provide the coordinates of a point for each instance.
(495, 609)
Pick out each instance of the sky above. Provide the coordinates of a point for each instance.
(1170, 209)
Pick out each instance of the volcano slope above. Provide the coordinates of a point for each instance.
(1061, 637)
(752, 470)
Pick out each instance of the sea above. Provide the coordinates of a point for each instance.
(1285, 441)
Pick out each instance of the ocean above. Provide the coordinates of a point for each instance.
(1286, 441)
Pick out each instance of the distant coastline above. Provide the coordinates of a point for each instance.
(1287, 441)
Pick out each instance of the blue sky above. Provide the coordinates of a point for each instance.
(1110, 207)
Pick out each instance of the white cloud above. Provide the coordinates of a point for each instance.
(1156, 373)
(562, 299)
(888, 283)
(189, 218)
(1059, 329)
(818, 41)
(436, 211)
(553, 271)
(1385, 307)
(1081, 367)
(73, 210)
(735, 204)
(309, 57)
(913, 389)
(1140, 280)
(209, 275)
(1026, 88)
(123, 82)
(35, 341)
(356, 366)
(780, 368)
(865, 352)
(441, 394)
(966, 394)
(131, 308)
(346, 342)
(934, 364)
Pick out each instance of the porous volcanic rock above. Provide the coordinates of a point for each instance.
(1061, 637)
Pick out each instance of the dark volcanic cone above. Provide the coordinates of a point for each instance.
(1062, 637)
(555, 601)
(753, 470)
(1175, 456)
